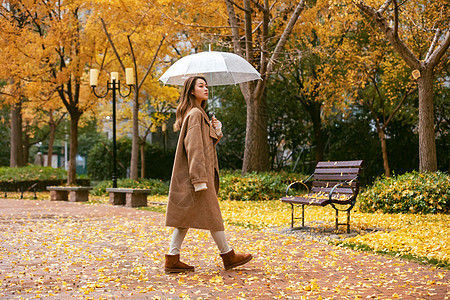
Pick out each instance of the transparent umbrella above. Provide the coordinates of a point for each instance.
(218, 68)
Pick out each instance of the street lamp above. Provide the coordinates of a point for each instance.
(113, 85)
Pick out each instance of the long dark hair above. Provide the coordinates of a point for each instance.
(187, 100)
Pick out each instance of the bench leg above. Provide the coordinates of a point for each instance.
(116, 198)
(348, 221)
(348, 218)
(303, 215)
(58, 195)
(78, 196)
(136, 200)
(337, 219)
(292, 215)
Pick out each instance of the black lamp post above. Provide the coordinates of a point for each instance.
(113, 85)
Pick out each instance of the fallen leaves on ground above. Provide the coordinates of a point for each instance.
(419, 235)
(56, 250)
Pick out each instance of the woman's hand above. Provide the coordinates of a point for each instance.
(217, 125)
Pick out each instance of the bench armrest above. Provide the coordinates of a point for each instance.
(339, 184)
(300, 182)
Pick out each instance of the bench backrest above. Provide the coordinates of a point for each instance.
(329, 173)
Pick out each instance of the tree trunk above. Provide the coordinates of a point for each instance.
(72, 172)
(51, 138)
(256, 153)
(25, 149)
(15, 159)
(427, 137)
(135, 142)
(314, 110)
(142, 146)
(382, 136)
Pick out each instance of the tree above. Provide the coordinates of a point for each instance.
(52, 49)
(132, 46)
(154, 112)
(135, 115)
(382, 79)
(408, 27)
(259, 42)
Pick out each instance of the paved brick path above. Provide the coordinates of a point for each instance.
(62, 250)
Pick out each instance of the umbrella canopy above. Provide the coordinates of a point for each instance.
(219, 68)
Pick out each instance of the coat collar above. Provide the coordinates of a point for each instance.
(212, 132)
(205, 116)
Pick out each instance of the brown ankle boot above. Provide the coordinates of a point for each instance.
(231, 260)
(174, 265)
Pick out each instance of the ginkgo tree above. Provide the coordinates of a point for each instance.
(14, 72)
(54, 48)
(256, 30)
(260, 32)
(419, 32)
(370, 73)
(138, 41)
(314, 67)
(385, 91)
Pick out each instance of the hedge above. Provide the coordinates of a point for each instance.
(413, 192)
(255, 186)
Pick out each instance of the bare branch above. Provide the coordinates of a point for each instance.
(248, 31)
(440, 50)
(433, 44)
(112, 44)
(104, 57)
(402, 49)
(287, 31)
(234, 27)
(409, 91)
(153, 61)
(383, 7)
(235, 4)
(140, 21)
(395, 33)
(259, 6)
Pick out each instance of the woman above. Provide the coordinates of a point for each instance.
(195, 179)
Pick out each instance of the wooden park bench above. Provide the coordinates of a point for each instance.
(128, 196)
(71, 193)
(333, 182)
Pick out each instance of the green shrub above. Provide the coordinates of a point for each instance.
(158, 187)
(31, 172)
(255, 186)
(158, 161)
(408, 193)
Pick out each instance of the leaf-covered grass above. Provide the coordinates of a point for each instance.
(420, 259)
(418, 235)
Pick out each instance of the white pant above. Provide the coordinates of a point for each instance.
(180, 233)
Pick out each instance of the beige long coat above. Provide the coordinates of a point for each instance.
(195, 162)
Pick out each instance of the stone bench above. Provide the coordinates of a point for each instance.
(70, 193)
(128, 196)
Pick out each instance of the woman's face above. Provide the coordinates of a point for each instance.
(200, 91)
